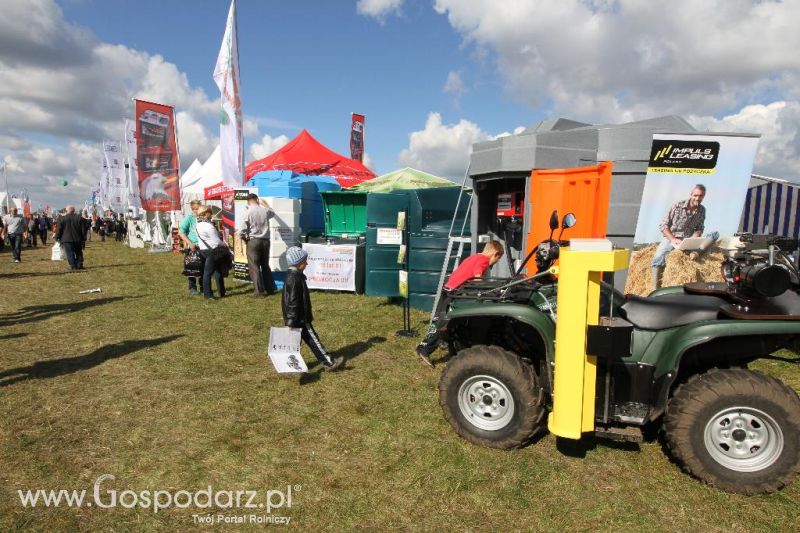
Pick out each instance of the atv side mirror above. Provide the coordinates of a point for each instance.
(554, 221)
(569, 221)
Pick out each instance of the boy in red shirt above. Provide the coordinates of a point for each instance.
(474, 266)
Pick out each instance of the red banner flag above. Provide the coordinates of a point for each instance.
(157, 157)
(357, 137)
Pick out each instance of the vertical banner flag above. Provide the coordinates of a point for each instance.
(105, 184)
(240, 270)
(228, 216)
(157, 157)
(134, 201)
(695, 187)
(226, 76)
(357, 137)
(114, 175)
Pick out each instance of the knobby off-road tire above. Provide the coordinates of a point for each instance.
(737, 430)
(491, 397)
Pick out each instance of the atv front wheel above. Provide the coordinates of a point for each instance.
(737, 430)
(491, 397)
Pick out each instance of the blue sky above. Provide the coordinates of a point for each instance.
(431, 76)
(309, 64)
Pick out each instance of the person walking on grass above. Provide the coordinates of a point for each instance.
(296, 307)
(257, 232)
(14, 227)
(214, 262)
(43, 228)
(71, 234)
(33, 226)
(188, 234)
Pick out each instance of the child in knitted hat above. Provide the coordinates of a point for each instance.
(296, 306)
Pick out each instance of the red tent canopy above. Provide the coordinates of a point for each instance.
(306, 155)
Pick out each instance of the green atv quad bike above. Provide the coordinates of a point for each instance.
(677, 358)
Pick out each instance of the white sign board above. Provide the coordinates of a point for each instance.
(331, 267)
(390, 236)
(284, 350)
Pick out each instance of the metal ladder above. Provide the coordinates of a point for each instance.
(452, 240)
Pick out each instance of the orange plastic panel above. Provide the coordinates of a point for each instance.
(584, 191)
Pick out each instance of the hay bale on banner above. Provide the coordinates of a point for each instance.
(680, 269)
(639, 279)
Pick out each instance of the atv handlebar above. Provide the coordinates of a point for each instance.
(552, 271)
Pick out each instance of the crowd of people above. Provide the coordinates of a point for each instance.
(19, 230)
(70, 229)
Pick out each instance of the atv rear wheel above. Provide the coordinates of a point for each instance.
(737, 430)
(491, 397)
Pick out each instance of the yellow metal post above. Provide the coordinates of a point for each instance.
(575, 373)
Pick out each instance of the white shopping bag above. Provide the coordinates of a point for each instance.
(56, 254)
(284, 350)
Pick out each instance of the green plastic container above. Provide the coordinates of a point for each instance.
(430, 213)
(345, 213)
(382, 278)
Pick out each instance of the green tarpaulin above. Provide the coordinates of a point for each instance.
(403, 179)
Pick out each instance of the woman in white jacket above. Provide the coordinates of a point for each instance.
(208, 238)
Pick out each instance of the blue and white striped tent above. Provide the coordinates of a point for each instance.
(772, 207)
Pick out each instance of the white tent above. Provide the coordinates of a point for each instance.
(209, 174)
(191, 175)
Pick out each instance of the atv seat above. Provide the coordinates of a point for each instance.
(670, 310)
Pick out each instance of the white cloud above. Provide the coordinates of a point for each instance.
(380, 10)
(621, 60)
(12, 141)
(250, 127)
(442, 149)
(517, 131)
(779, 125)
(454, 84)
(59, 79)
(267, 145)
(195, 141)
(40, 169)
(368, 162)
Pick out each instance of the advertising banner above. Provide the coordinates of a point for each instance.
(692, 202)
(331, 267)
(157, 157)
(226, 76)
(134, 202)
(240, 245)
(228, 222)
(115, 186)
(357, 137)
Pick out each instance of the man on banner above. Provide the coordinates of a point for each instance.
(685, 218)
(226, 76)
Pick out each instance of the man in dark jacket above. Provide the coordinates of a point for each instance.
(44, 227)
(296, 306)
(71, 234)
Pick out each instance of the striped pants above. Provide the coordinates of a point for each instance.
(309, 335)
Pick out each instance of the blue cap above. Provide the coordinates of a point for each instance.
(295, 255)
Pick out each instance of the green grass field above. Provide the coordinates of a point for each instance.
(167, 392)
